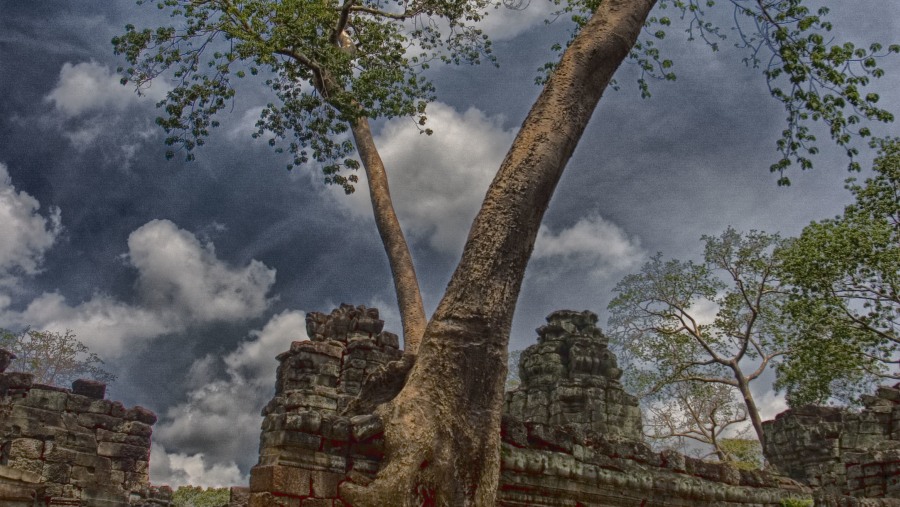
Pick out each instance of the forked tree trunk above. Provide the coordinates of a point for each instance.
(409, 298)
(442, 432)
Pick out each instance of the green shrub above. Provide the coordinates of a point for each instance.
(796, 502)
(195, 496)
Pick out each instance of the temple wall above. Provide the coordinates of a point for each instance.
(72, 447)
(839, 452)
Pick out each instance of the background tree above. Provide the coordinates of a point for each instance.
(442, 429)
(846, 306)
(53, 358)
(195, 496)
(743, 453)
(700, 412)
(716, 323)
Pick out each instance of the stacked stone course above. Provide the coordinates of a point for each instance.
(308, 445)
(842, 454)
(73, 447)
(570, 377)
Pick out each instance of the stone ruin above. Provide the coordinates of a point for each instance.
(72, 447)
(571, 378)
(571, 436)
(844, 456)
(308, 445)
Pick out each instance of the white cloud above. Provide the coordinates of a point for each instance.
(254, 358)
(178, 273)
(593, 243)
(219, 421)
(105, 325)
(181, 283)
(26, 234)
(244, 128)
(178, 469)
(507, 23)
(89, 87)
(438, 182)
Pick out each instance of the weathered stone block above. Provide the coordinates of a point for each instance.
(280, 479)
(90, 388)
(116, 450)
(325, 484)
(54, 401)
(140, 414)
(26, 448)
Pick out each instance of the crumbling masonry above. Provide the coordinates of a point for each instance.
(571, 435)
(72, 447)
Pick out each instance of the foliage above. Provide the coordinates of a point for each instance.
(743, 453)
(698, 411)
(814, 76)
(327, 63)
(797, 502)
(53, 358)
(846, 305)
(679, 322)
(196, 496)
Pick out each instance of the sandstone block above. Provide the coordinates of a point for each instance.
(280, 479)
(90, 388)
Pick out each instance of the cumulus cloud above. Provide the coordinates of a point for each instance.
(89, 105)
(181, 283)
(102, 323)
(438, 182)
(26, 234)
(178, 469)
(216, 428)
(89, 87)
(178, 273)
(516, 17)
(592, 243)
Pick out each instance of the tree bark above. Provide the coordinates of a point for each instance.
(750, 403)
(442, 432)
(406, 285)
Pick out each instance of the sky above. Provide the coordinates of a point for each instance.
(188, 278)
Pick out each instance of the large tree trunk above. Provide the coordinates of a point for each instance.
(409, 298)
(743, 386)
(442, 432)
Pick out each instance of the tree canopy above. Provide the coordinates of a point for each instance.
(846, 300)
(715, 322)
(53, 358)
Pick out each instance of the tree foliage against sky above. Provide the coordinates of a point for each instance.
(699, 411)
(714, 322)
(846, 302)
(53, 358)
(327, 64)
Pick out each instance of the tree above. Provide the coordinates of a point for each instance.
(715, 323)
(846, 305)
(53, 358)
(697, 411)
(195, 496)
(332, 65)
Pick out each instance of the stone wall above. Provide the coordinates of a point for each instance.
(571, 436)
(839, 452)
(308, 445)
(73, 447)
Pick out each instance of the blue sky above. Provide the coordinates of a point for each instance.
(190, 277)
